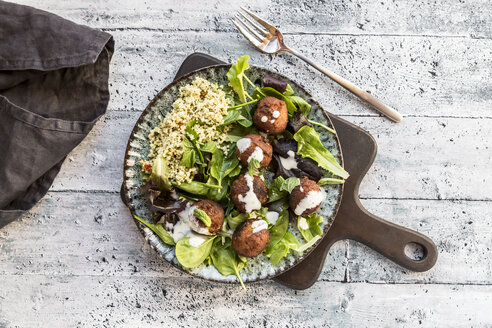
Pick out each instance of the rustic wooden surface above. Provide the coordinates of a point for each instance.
(77, 260)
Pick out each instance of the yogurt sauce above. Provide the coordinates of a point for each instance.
(303, 224)
(311, 200)
(276, 114)
(264, 119)
(251, 202)
(290, 162)
(196, 240)
(256, 154)
(259, 226)
(272, 217)
(182, 227)
(243, 144)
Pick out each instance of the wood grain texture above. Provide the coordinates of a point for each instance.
(419, 76)
(440, 18)
(77, 260)
(155, 301)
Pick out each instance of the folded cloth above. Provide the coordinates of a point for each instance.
(53, 88)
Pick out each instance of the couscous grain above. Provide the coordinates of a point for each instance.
(200, 101)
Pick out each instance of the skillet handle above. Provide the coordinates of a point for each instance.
(390, 240)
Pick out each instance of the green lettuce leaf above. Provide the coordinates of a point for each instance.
(314, 229)
(160, 173)
(281, 188)
(236, 74)
(159, 230)
(277, 232)
(309, 145)
(288, 91)
(283, 247)
(190, 256)
(202, 216)
(300, 103)
(226, 260)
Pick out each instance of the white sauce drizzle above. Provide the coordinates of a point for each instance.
(311, 200)
(181, 230)
(196, 240)
(264, 119)
(169, 226)
(256, 154)
(182, 227)
(272, 121)
(290, 162)
(276, 114)
(259, 226)
(243, 144)
(251, 202)
(272, 217)
(303, 224)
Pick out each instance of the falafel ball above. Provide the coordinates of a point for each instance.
(248, 193)
(306, 197)
(271, 115)
(251, 237)
(214, 211)
(254, 146)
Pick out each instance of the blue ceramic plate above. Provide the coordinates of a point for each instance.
(138, 148)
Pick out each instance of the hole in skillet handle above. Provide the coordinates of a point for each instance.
(415, 251)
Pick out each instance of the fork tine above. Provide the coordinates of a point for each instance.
(251, 29)
(255, 24)
(259, 20)
(248, 36)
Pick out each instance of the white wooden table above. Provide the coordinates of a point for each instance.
(77, 259)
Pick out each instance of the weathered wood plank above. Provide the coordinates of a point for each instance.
(456, 18)
(418, 76)
(147, 302)
(99, 239)
(445, 158)
(461, 230)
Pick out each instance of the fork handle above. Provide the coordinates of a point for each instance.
(362, 94)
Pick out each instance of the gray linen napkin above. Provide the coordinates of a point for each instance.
(53, 88)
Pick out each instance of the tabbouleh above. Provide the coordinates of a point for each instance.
(200, 101)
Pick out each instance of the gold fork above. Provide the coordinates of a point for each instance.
(268, 39)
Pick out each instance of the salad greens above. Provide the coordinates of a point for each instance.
(222, 167)
(190, 256)
(159, 230)
(313, 221)
(226, 260)
(253, 166)
(309, 145)
(160, 173)
(300, 103)
(235, 218)
(282, 248)
(281, 188)
(235, 75)
(218, 166)
(277, 232)
(202, 216)
(329, 181)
